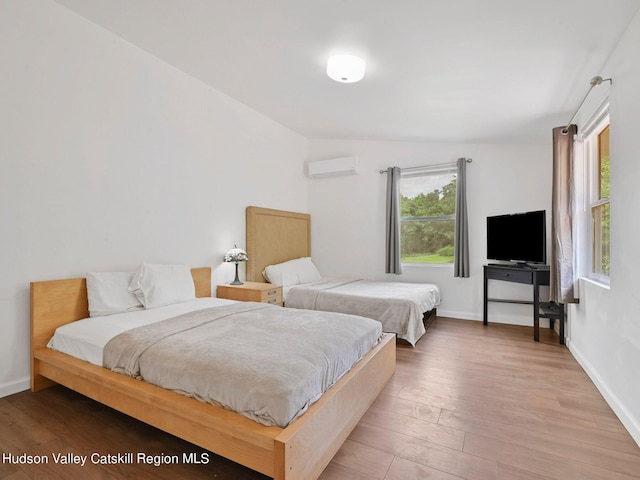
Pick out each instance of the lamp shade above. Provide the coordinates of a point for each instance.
(236, 255)
(345, 68)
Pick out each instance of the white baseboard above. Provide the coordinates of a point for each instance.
(630, 423)
(10, 388)
(504, 320)
(460, 315)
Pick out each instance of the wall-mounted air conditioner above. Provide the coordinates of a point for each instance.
(334, 166)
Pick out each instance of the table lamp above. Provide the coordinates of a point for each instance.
(236, 255)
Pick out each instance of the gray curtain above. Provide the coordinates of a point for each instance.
(392, 262)
(461, 241)
(561, 268)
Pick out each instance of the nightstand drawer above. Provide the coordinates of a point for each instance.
(510, 275)
(252, 292)
(273, 295)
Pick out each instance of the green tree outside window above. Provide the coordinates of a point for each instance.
(427, 224)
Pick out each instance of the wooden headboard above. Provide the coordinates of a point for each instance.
(57, 302)
(275, 236)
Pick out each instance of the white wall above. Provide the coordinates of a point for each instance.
(110, 157)
(348, 215)
(604, 329)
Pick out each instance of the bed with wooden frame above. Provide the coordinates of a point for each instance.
(275, 236)
(300, 451)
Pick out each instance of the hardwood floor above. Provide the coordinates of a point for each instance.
(468, 402)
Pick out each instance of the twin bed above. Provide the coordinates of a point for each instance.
(279, 249)
(312, 374)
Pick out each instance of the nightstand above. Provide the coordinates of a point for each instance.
(252, 292)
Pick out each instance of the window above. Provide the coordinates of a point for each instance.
(428, 215)
(597, 192)
(600, 210)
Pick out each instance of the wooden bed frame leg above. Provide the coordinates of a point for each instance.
(40, 383)
(279, 461)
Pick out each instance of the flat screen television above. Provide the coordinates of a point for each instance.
(518, 237)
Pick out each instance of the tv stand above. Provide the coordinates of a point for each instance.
(529, 275)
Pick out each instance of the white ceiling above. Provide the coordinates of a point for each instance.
(437, 70)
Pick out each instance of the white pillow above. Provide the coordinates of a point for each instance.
(293, 272)
(108, 293)
(157, 285)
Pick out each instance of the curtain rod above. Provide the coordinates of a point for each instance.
(595, 81)
(448, 164)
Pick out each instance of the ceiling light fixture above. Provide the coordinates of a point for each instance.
(345, 68)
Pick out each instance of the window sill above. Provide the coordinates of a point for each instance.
(598, 282)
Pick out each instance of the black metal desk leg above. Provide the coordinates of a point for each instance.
(536, 309)
(486, 302)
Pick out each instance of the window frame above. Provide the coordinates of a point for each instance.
(427, 172)
(590, 242)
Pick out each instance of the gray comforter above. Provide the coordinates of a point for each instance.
(265, 362)
(399, 306)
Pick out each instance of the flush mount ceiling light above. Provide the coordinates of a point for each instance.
(345, 68)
